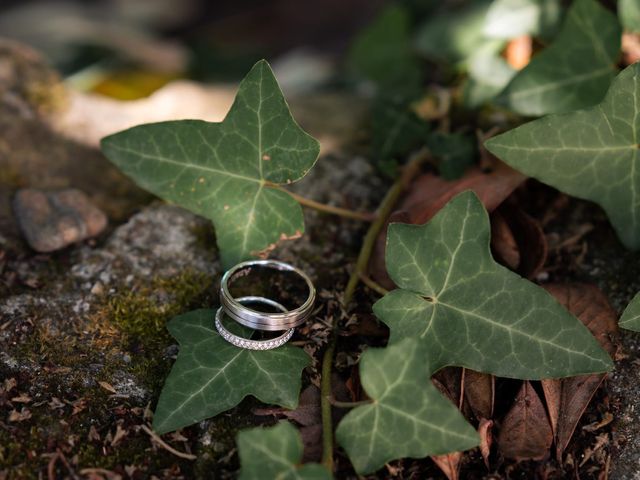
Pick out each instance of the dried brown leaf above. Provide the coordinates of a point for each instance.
(449, 464)
(485, 430)
(568, 398)
(526, 431)
(479, 391)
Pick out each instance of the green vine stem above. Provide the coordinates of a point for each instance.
(389, 201)
(373, 285)
(384, 210)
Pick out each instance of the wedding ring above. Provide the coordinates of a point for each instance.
(260, 320)
(248, 343)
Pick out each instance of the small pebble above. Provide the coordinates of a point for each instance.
(52, 220)
(97, 289)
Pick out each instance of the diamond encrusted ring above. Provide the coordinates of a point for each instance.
(261, 320)
(248, 343)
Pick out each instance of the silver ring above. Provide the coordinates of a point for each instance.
(261, 320)
(248, 343)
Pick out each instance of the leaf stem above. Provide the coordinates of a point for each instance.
(372, 284)
(323, 207)
(325, 404)
(384, 210)
(389, 201)
(339, 404)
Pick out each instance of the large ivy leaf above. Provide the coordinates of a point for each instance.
(573, 72)
(630, 319)
(275, 452)
(225, 171)
(382, 53)
(210, 375)
(591, 154)
(407, 417)
(629, 13)
(469, 311)
(513, 18)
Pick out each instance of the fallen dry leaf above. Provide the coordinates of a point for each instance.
(503, 243)
(9, 384)
(486, 439)
(448, 381)
(22, 398)
(479, 391)
(517, 240)
(449, 464)
(526, 432)
(568, 398)
(108, 387)
(19, 416)
(119, 435)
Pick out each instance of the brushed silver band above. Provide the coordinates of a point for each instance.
(249, 343)
(260, 320)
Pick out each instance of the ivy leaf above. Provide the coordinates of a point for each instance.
(590, 154)
(455, 152)
(629, 13)
(630, 319)
(210, 375)
(228, 172)
(513, 18)
(408, 416)
(469, 311)
(396, 130)
(455, 35)
(382, 53)
(573, 72)
(275, 452)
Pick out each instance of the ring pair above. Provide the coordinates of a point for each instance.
(237, 309)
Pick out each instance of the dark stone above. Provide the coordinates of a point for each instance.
(51, 221)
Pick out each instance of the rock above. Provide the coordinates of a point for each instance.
(53, 220)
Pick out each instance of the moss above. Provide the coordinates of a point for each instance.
(142, 313)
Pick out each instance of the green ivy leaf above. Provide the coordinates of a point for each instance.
(275, 452)
(396, 130)
(382, 53)
(454, 35)
(590, 154)
(226, 171)
(469, 311)
(629, 13)
(407, 417)
(573, 72)
(210, 375)
(630, 319)
(513, 18)
(454, 151)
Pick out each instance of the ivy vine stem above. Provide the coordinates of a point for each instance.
(384, 210)
(372, 284)
(323, 207)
